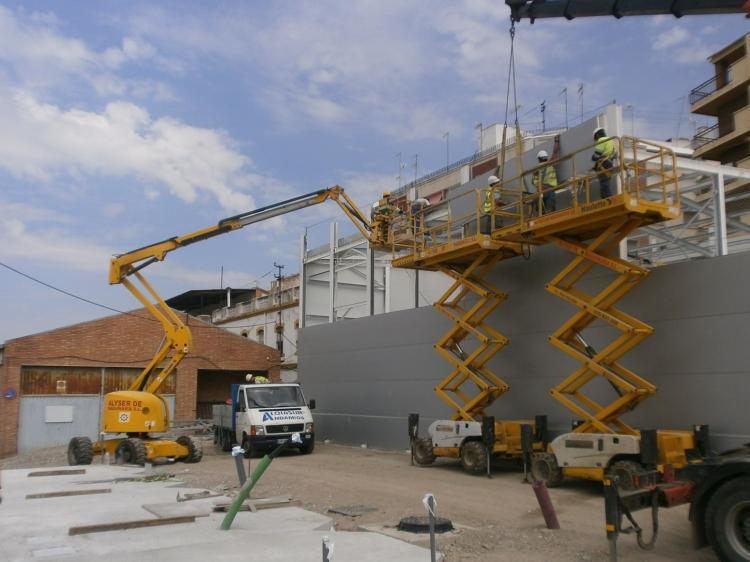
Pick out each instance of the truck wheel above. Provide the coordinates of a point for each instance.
(195, 451)
(474, 457)
(423, 454)
(308, 447)
(216, 435)
(250, 451)
(80, 451)
(131, 451)
(226, 440)
(728, 520)
(544, 467)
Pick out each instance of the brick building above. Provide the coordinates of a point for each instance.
(52, 382)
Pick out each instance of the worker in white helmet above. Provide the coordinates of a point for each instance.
(545, 180)
(491, 200)
(604, 156)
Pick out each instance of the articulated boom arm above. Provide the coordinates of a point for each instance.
(569, 9)
(177, 337)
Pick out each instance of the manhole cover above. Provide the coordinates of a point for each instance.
(421, 524)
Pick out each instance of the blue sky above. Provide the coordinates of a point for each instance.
(126, 123)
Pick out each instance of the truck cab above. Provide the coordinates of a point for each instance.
(261, 416)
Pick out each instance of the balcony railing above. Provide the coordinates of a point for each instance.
(705, 136)
(269, 302)
(704, 90)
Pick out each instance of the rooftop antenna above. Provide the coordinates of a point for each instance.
(580, 98)
(543, 108)
(447, 137)
(564, 93)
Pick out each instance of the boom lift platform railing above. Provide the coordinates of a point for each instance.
(464, 243)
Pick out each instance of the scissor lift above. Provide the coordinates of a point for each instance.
(593, 230)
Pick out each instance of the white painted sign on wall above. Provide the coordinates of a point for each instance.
(58, 414)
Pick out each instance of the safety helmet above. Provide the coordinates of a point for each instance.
(599, 130)
(492, 180)
(386, 194)
(542, 154)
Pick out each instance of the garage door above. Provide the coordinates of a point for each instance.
(58, 403)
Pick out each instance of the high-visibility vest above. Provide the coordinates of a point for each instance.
(487, 201)
(605, 148)
(549, 177)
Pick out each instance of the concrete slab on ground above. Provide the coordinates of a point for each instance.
(38, 529)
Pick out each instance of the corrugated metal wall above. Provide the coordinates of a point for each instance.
(367, 374)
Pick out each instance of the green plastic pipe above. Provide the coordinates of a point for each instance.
(250, 482)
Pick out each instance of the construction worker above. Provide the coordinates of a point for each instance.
(603, 157)
(491, 192)
(384, 208)
(545, 181)
(417, 208)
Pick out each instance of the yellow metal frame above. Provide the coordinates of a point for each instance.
(631, 388)
(592, 228)
(471, 386)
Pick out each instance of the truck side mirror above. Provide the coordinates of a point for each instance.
(311, 404)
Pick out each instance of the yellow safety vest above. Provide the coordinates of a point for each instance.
(487, 201)
(605, 148)
(549, 177)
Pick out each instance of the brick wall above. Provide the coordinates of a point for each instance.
(126, 340)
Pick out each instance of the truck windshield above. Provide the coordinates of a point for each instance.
(274, 397)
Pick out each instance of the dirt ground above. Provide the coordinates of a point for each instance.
(498, 519)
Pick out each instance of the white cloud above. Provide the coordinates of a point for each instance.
(670, 38)
(42, 141)
(42, 58)
(112, 210)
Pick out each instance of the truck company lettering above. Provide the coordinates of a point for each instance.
(283, 415)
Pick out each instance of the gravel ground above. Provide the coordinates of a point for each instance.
(498, 519)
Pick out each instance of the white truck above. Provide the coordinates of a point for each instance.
(261, 416)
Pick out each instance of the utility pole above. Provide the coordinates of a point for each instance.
(400, 167)
(221, 278)
(279, 327)
(544, 122)
(580, 93)
(447, 137)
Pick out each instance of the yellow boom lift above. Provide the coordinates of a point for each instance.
(133, 415)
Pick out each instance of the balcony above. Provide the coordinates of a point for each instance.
(711, 143)
(287, 298)
(704, 90)
(705, 136)
(718, 90)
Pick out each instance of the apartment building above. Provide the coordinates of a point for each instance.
(726, 96)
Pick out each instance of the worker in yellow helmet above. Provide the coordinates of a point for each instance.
(604, 160)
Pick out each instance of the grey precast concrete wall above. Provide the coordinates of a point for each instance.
(368, 374)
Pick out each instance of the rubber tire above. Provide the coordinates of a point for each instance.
(247, 447)
(474, 457)
(196, 452)
(308, 447)
(131, 451)
(226, 440)
(622, 473)
(544, 468)
(80, 451)
(734, 494)
(423, 454)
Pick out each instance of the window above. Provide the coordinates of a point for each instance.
(244, 333)
(260, 334)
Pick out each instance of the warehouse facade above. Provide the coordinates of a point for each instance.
(53, 382)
